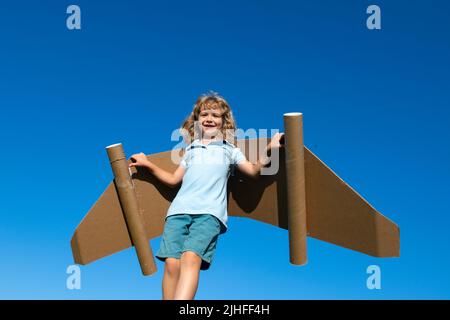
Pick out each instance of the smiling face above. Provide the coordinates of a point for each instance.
(210, 119)
(211, 122)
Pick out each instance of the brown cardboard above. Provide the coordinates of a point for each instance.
(295, 183)
(334, 211)
(130, 208)
(338, 214)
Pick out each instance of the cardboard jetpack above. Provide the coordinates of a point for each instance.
(303, 196)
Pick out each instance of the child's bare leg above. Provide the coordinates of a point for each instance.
(170, 278)
(187, 285)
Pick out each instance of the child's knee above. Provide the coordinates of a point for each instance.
(191, 258)
(172, 266)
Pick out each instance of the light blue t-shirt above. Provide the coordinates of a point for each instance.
(204, 186)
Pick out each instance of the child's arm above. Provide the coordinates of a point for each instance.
(254, 170)
(170, 179)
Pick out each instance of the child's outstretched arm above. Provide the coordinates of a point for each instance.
(170, 179)
(254, 170)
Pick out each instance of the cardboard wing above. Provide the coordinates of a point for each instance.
(335, 212)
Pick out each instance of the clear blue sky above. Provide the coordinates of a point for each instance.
(376, 108)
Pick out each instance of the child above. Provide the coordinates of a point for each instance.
(198, 214)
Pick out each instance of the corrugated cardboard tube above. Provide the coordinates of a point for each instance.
(130, 208)
(295, 180)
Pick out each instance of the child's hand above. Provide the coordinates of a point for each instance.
(277, 141)
(139, 160)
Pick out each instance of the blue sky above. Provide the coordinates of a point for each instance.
(376, 110)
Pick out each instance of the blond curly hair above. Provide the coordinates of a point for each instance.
(210, 100)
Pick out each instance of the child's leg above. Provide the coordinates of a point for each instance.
(187, 285)
(170, 278)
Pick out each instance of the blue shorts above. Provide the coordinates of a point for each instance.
(186, 232)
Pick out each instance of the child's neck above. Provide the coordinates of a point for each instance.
(208, 140)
